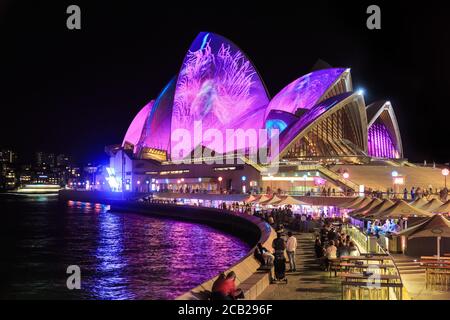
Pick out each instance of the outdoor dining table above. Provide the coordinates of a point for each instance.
(434, 258)
(431, 262)
(379, 258)
(383, 267)
(437, 273)
(389, 280)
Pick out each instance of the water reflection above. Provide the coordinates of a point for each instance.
(121, 256)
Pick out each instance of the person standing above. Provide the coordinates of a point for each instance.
(303, 223)
(291, 247)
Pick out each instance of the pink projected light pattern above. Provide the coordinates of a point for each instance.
(134, 131)
(304, 92)
(156, 131)
(220, 87)
(380, 144)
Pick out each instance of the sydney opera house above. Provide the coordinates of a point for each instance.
(327, 135)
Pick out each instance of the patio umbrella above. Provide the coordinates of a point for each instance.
(419, 202)
(436, 226)
(291, 201)
(432, 205)
(445, 208)
(385, 204)
(401, 209)
(362, 211)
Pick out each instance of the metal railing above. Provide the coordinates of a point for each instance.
(363, 241)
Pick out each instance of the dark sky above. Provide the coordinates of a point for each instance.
(77, 91)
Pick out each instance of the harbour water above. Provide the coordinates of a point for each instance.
(121, 255)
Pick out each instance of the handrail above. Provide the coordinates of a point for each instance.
(357, 235)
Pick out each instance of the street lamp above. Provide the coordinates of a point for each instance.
(304, 183)
(445, 173)
(346, 175)
(394, 174)
(220, 184)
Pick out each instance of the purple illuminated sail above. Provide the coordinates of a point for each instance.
(380, 144)
(135, 129)
(279, 120)
(156, 132)
(304, 92)
(219, 86)
(309, 117)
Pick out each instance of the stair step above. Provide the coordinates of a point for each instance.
(412, 272)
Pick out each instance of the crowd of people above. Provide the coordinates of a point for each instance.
(378, 227)
(408, 194)
(332, 243)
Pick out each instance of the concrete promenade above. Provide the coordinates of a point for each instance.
(309, 282)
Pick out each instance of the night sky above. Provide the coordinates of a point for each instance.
(76, 91)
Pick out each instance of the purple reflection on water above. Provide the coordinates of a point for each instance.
(138, 257)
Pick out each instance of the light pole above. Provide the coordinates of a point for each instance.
(220, 184)
(345, 175)
(304, 184)
(445, 173)
(394, 175)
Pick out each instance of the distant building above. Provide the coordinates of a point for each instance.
(44, 159)
(8, 156)
(62, 160)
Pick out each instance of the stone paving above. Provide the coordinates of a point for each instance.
(309, 282)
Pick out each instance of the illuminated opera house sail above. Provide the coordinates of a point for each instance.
(319, 117)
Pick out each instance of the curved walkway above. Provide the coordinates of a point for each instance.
(309, 282)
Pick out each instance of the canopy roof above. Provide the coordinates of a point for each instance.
(419, 202)
(401, 209)
(432, 205)
(365, 201)
(436, 226)
(291, 201)
(375, 211)
(363, 210)
(251, 199)
(274, 201)
(351, 202)
(445, 208)
(264, 198)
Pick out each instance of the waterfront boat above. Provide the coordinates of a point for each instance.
(37, 189)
